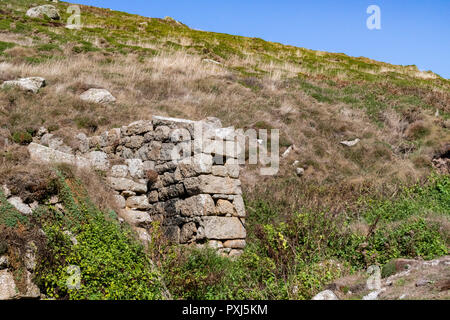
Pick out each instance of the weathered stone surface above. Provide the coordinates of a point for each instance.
(150, 151)
(234, 244)
(143, 235)
(119, 171)
(214, 244)
(200, 205)
(17, 203)
(44, 10)
(5, 190)
(122, 184)
(4, 262)
(233, 168)
(161, 133)
(172, 191)
(137, 218)
(235, 253)
(229, 149)
(44, 154)
(139, 127)
(56, 143)
(188, 232)
(98, 160)
(172, 233)
(179, 135)
(220, 171)
(136, 168)
(170, 122)
(120, 201)
(224, 207)
(32, 84)
(223, 228)
(8, 289)
(325, 295)
(239, 205)
(212, 184)
(153, 196)
(169, 178)
(351, 143)
(134, 142)
(193, 166)
(83, 142)
(138, 202)
(97, 96)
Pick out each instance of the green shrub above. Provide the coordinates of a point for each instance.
(113, 264)
(22, 137)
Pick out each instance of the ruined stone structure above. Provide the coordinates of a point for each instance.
(182, 173)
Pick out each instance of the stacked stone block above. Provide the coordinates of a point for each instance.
(163, 170)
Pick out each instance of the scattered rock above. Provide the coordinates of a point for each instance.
(422, 282)
(212, 61)
(325, 295)
(4, 262)
(32, 84)
(20, 206)
(300, 171)
(44, 10)
(374, 294)
(351, 143)
(288, 151)
(97, 96)
(6, 191)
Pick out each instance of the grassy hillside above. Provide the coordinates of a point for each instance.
(361, 197)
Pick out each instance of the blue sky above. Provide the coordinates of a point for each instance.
(412, 32)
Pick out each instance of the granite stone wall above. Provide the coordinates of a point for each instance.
(182, 173)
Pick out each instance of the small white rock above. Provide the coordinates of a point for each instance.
(351, 143)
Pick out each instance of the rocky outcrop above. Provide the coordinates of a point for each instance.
(161, 170)
(32, 84)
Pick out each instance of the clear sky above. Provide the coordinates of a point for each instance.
(412, 32)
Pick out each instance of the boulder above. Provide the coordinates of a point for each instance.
(97, 96)
(325, 295)
(8, 289)
(4, 262)
(32, 84)
(44, 10)
(223, 228)
(20, 206)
